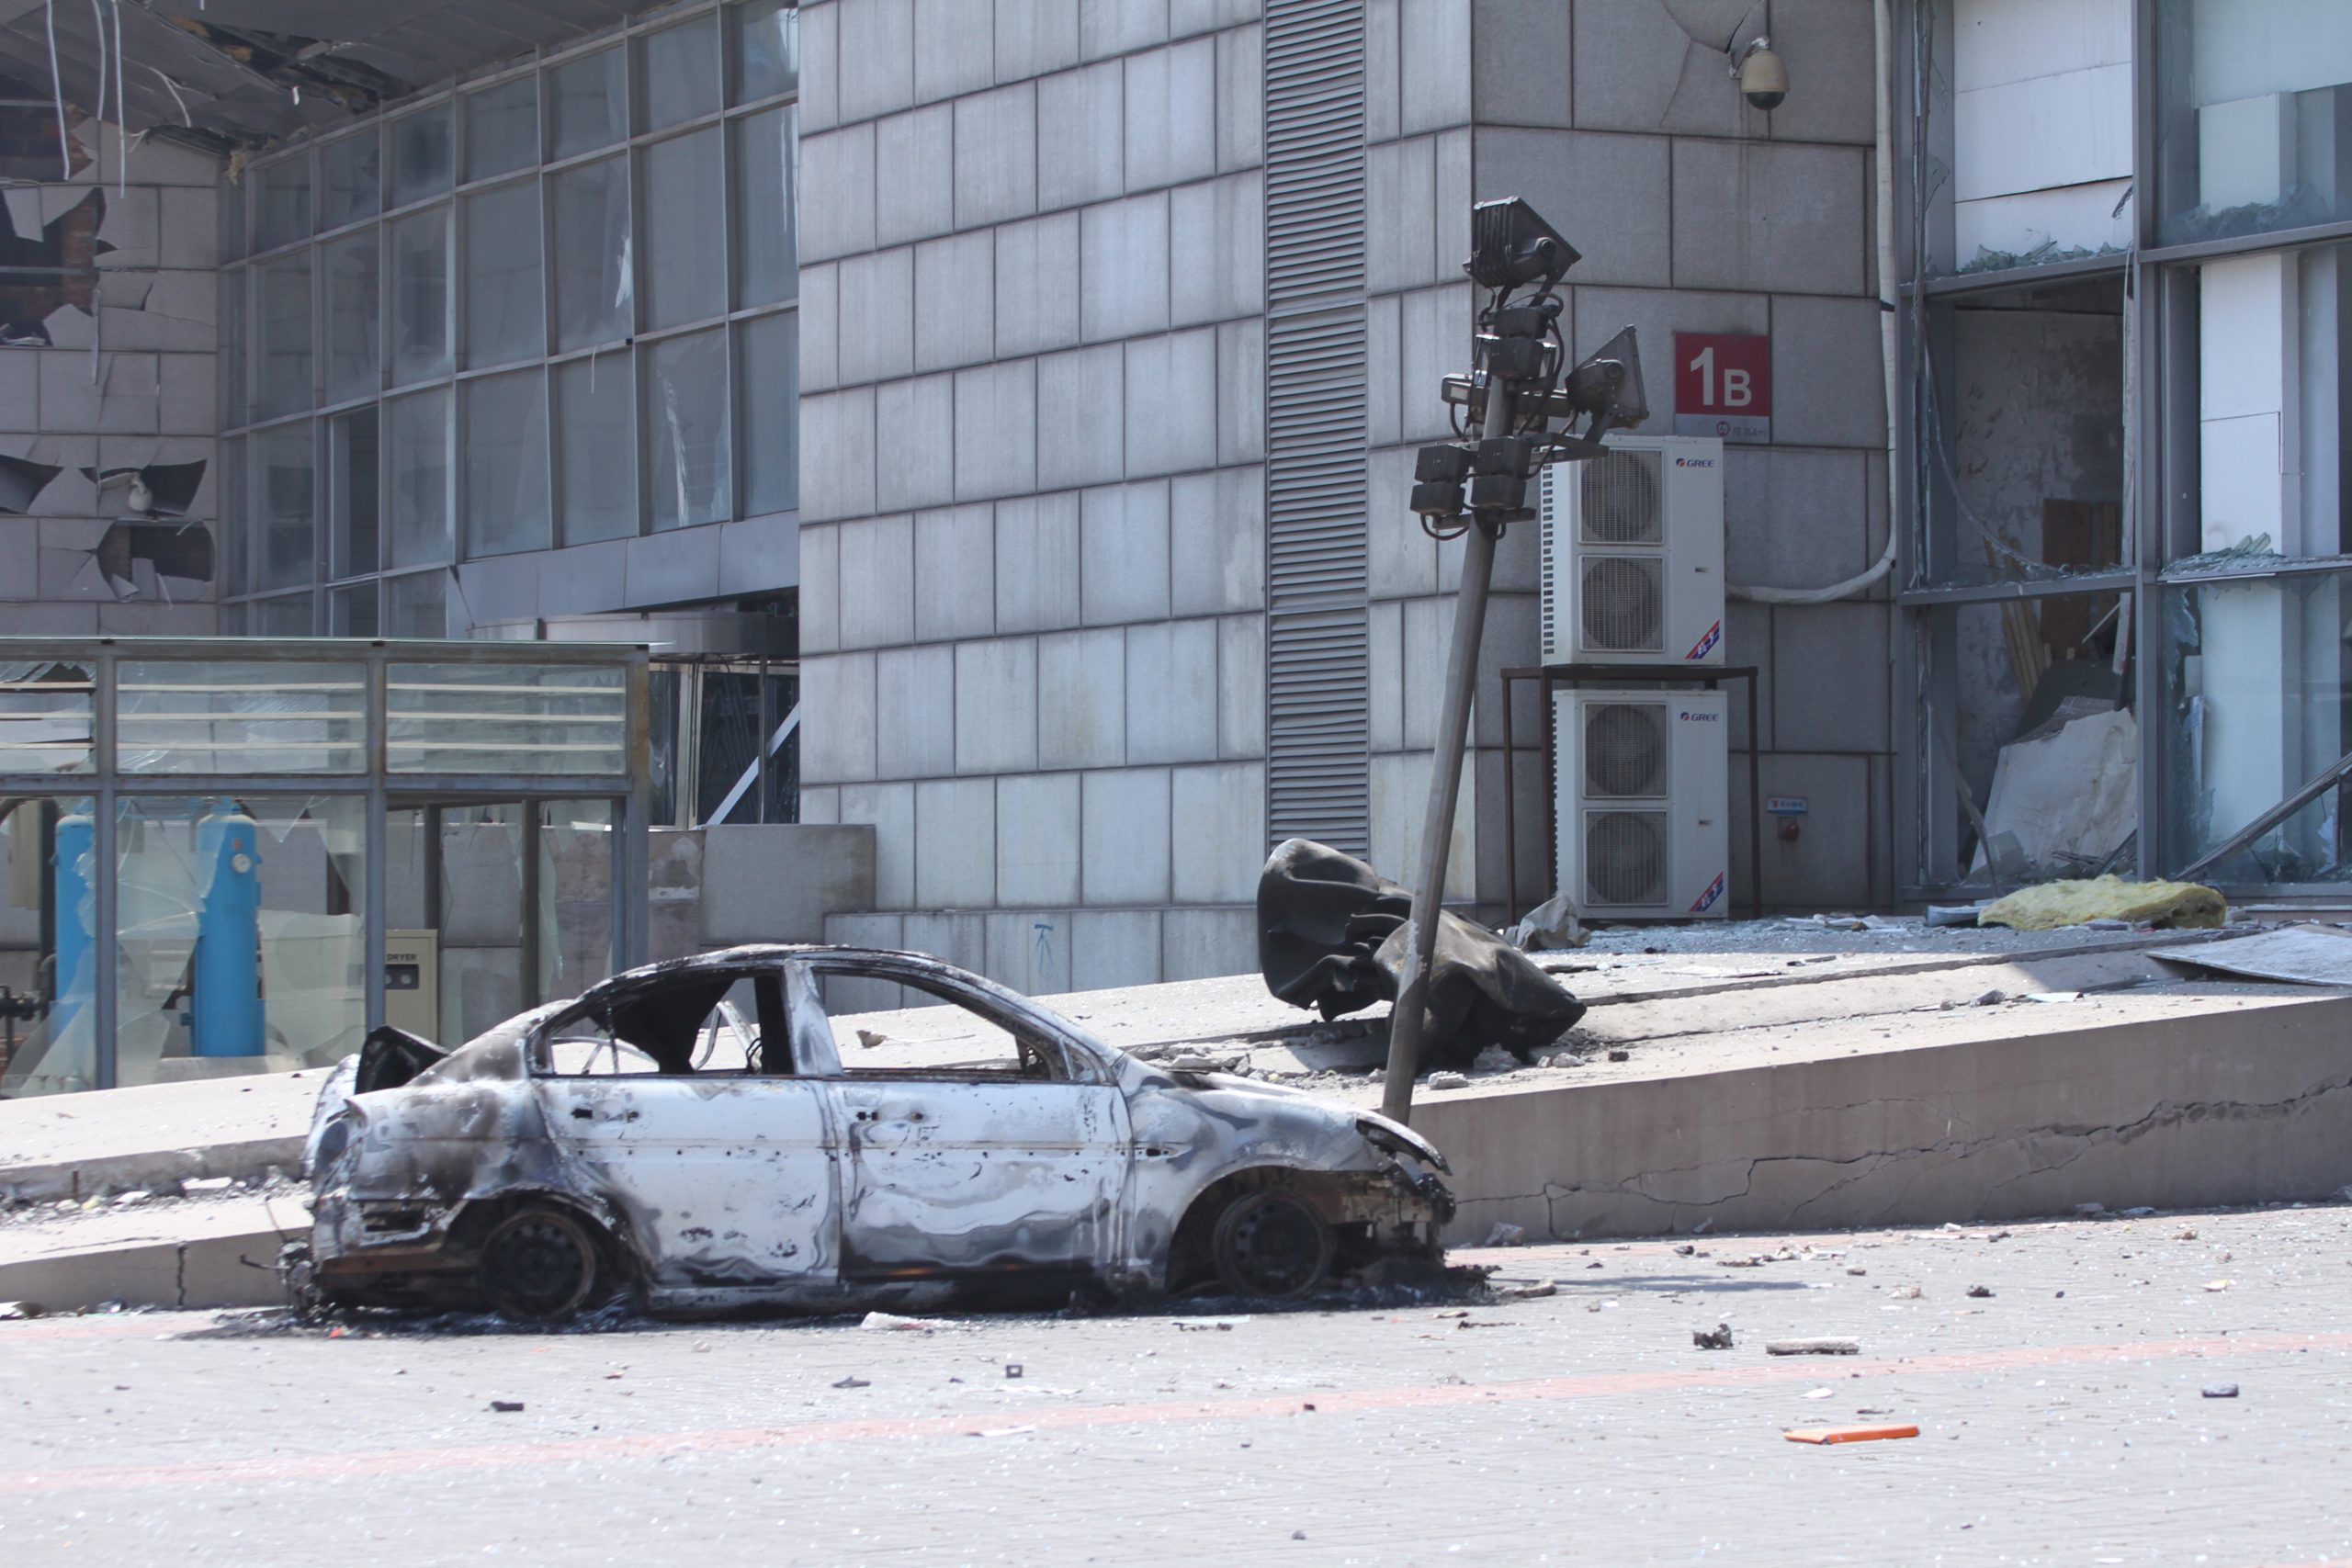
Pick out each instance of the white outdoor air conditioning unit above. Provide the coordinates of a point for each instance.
(1641, 813)
(1633, 554)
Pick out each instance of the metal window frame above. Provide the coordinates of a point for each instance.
(627, 793)
(240, 269)
(2160, 456)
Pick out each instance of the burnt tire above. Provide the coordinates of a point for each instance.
(539, 1265)
(1270, 1245)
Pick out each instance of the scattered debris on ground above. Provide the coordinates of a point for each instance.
(1848, 1433)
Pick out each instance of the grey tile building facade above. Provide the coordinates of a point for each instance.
(1038, 587)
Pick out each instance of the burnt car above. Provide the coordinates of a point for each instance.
(694, 1133)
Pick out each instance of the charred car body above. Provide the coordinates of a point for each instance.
(691, 1132)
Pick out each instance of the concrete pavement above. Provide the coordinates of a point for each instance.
(2062, 1422)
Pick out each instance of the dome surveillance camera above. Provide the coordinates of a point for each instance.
(1763, 79)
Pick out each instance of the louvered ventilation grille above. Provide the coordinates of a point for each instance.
(1315, 158)
(1317, 667)
(1624, 858)
(1619, 500)
(1624, 750)
(1621, 602)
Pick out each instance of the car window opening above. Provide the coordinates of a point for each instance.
(703, 1025)
(961, 1040)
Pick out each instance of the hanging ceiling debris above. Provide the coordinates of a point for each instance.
(228, 73)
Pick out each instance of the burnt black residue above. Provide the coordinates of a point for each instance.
(1023, 1296)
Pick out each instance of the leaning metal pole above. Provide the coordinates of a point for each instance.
(1405, 1020)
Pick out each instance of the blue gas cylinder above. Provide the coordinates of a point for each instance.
(72, 978)
(225, 1008)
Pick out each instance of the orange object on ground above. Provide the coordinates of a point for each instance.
(1847, 1434)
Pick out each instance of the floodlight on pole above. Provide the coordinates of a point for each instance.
(1515, 410)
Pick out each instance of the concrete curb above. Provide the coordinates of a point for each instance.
(237, 1270)
(150, 1170)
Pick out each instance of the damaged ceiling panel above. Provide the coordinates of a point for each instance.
(241, 72)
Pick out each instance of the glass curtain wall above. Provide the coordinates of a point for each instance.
(2128, 401)
(548, 308)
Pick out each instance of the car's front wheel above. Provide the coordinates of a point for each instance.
(1271, 1244)
(538, 1264)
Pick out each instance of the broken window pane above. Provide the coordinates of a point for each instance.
(767, 48)
(243, 932)
(2258, 705)
(502, 128)
(686, 212)
(689, 460)
(283, 305)
(220, 716)
(595, 277)
(596, 447)
(46, 948)
(349, 266)
(419, 468)
(505, 318)
(420, 245)
(2037, 701)
(45, 712)
(591, 101)
(282, 202)
(423, 155)
(507, 464)
(351, 470)
(287, 496)
(2255, 111)
(680, 70)
(414, 606)
(350, 184)
(2026, 441)
(766, 163)
(771, 370)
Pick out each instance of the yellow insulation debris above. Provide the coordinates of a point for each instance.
(2055, 904)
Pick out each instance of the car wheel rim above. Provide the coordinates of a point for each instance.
(538, 1266)
(1275, 1247)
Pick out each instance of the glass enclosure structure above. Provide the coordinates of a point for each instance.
(229, 854)
(554, 307)
(2123, 468)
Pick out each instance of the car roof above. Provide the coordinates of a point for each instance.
(753, 955)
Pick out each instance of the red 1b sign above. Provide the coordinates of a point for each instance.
(1722, 385)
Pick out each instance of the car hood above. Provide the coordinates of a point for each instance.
(1245, 1104)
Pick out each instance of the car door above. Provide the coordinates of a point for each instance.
(1011, 1161)
(723, 1172)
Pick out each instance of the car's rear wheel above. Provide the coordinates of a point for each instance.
(1271, 1244)
(538, 1264)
